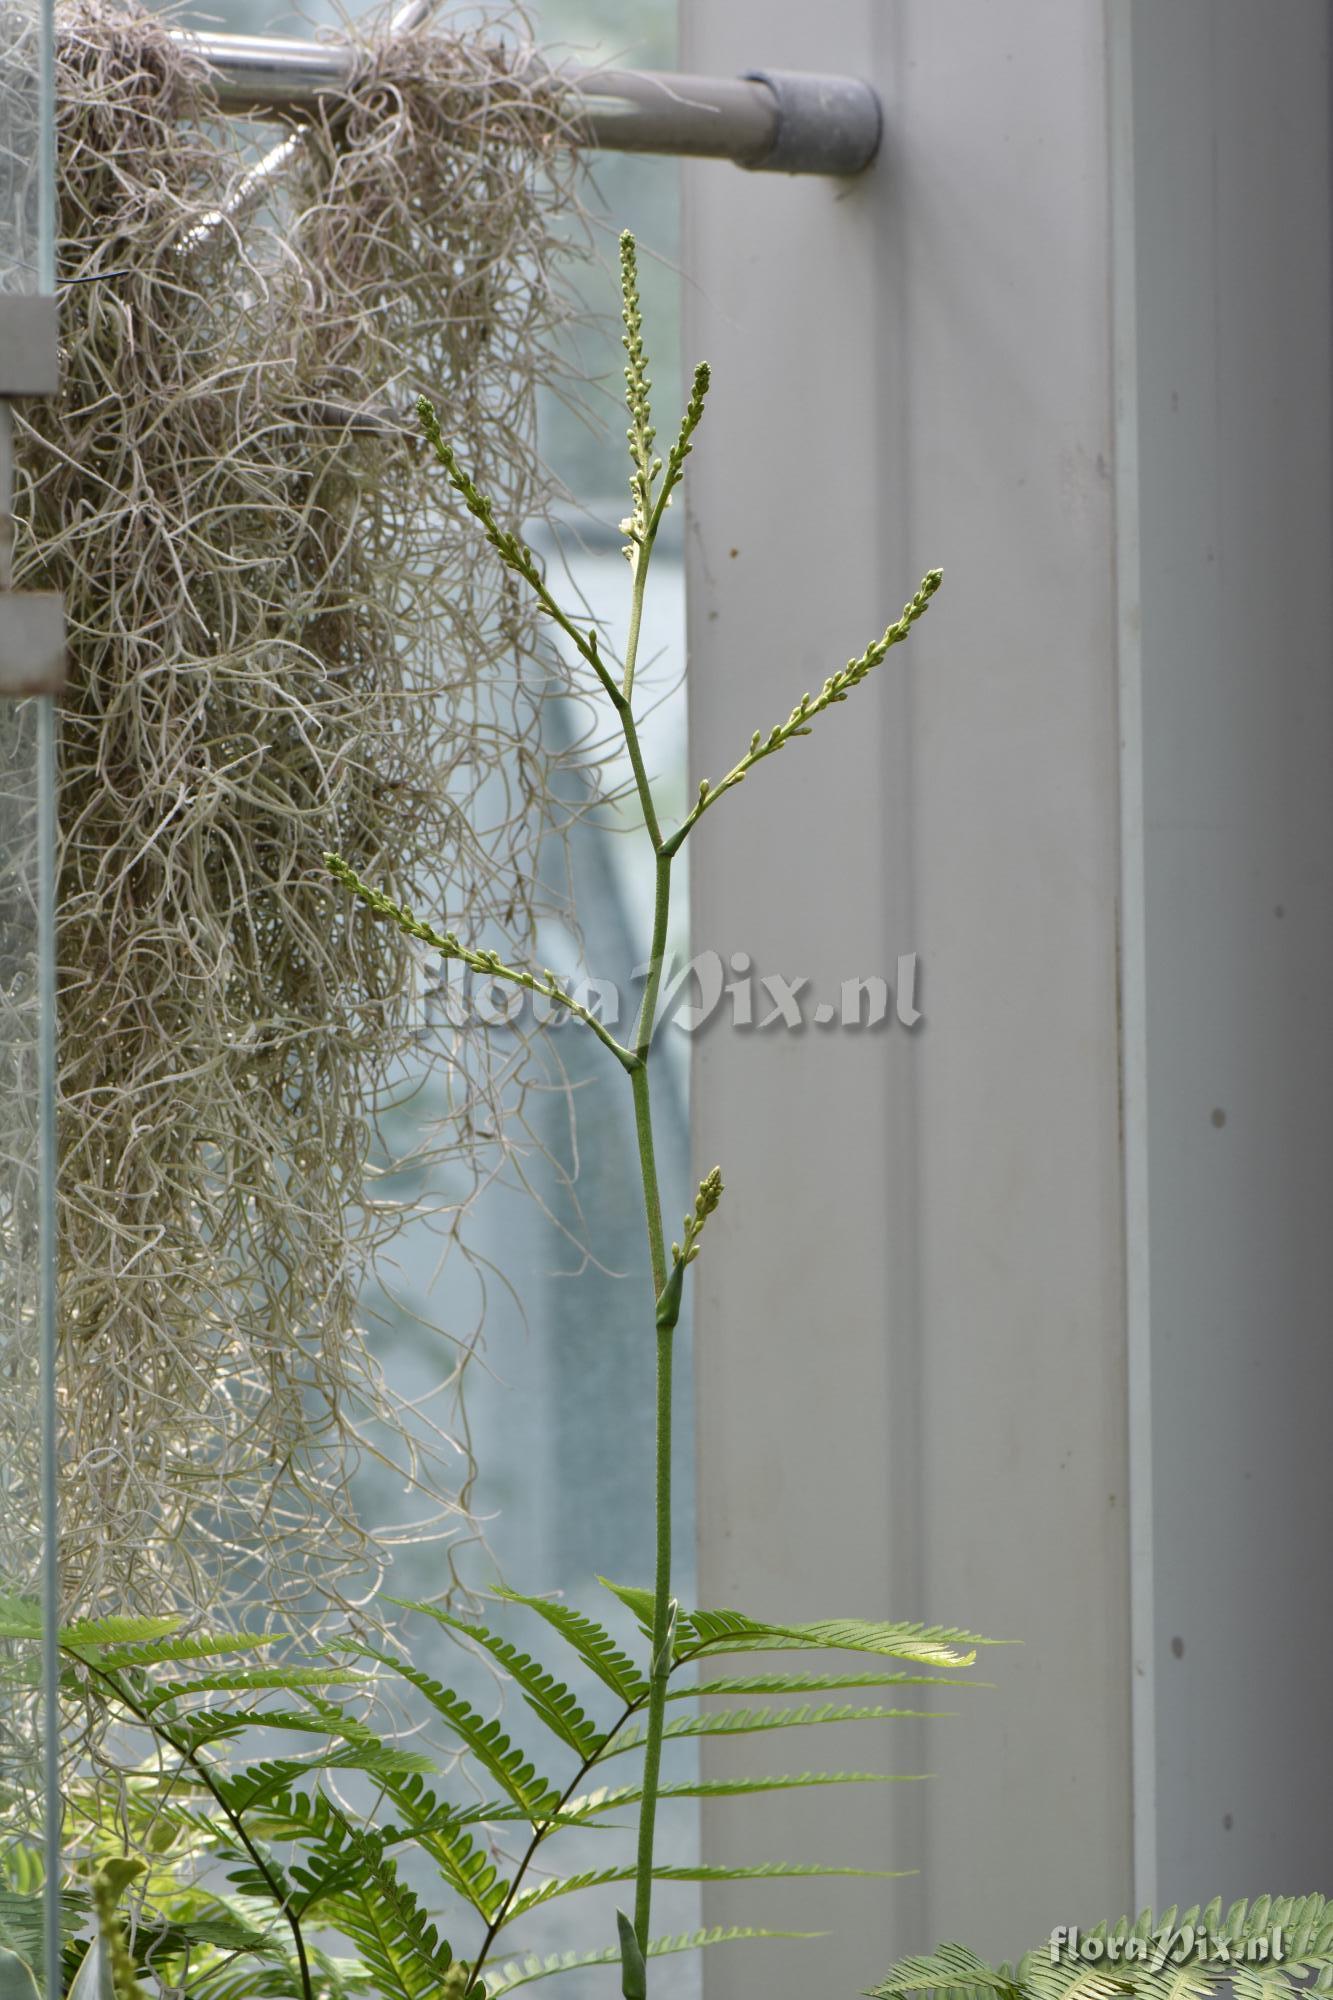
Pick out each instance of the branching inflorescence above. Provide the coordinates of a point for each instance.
(652, 484)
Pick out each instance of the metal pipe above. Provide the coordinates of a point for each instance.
(769, 120)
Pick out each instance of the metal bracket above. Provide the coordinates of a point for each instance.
(32, 642)
(29, 345)
(32, 622)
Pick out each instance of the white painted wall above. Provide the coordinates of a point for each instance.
(928, 1345)
(1231, 137)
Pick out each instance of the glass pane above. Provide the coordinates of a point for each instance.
(25, 1292)
(20, 1203)
(28, 1789)
(26, 125)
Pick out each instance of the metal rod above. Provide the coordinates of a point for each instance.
(768, 120)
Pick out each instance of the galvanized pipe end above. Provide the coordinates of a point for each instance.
(826, 124)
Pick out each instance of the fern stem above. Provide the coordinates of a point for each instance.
(234, 1819)
(539, 1834)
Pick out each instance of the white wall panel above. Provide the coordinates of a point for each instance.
(1048, 1280)
(911, 1328)
(1233, 233)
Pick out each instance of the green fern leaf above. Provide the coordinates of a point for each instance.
(590, 1806)
(594, 1646)
(599, 1878)
(950, 1969)
(96, 1633)
(523, 1972)
(172, 1652)
(1269, 1949)
(22, 1924)
(1072, 1981)
(747, 1721)
(260, 1786)
(544, 1694)
(811, 1683)
(735, 1632)
(466, 1869)
(640, 1602)
(21, 1618)
(486, 1740)
(441, 1832)
(387, 1924)
(928, 1645)
(246, 1679)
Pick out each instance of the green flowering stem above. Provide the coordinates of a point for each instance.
(665, 1338)
(648, 502)
(836, 688)
(515, 554)
(646, 513)
(487, 963)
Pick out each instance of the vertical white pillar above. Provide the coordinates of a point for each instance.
(911, 1328)
(1233, 227)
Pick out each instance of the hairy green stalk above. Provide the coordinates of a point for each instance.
(651, 486)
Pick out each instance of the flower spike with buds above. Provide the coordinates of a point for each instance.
(682, 1254)
(836, 688)
(487, 963)
(640, 434)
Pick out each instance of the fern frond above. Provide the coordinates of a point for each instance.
(22, 1922)
(547, 1697)
(383, 1919)
(441, 1832)
(928, 1645)
(244, 1980)
(593, 1644)
(201, 1729)
(173, 1652)
(523, 1972)
(227, 1931)
(611, 1798)
(266, 1785)
(811, 1683)
(486, 1740)
(249, 1679)
(93, 1634)
(1268, 1949)
(424, 1812)
(599, 1878)
(747, 1721)
(21, 1618)
(466, 1869)
(952, 1969)
(735, 1632)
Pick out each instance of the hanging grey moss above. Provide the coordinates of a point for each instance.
(280, 644)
